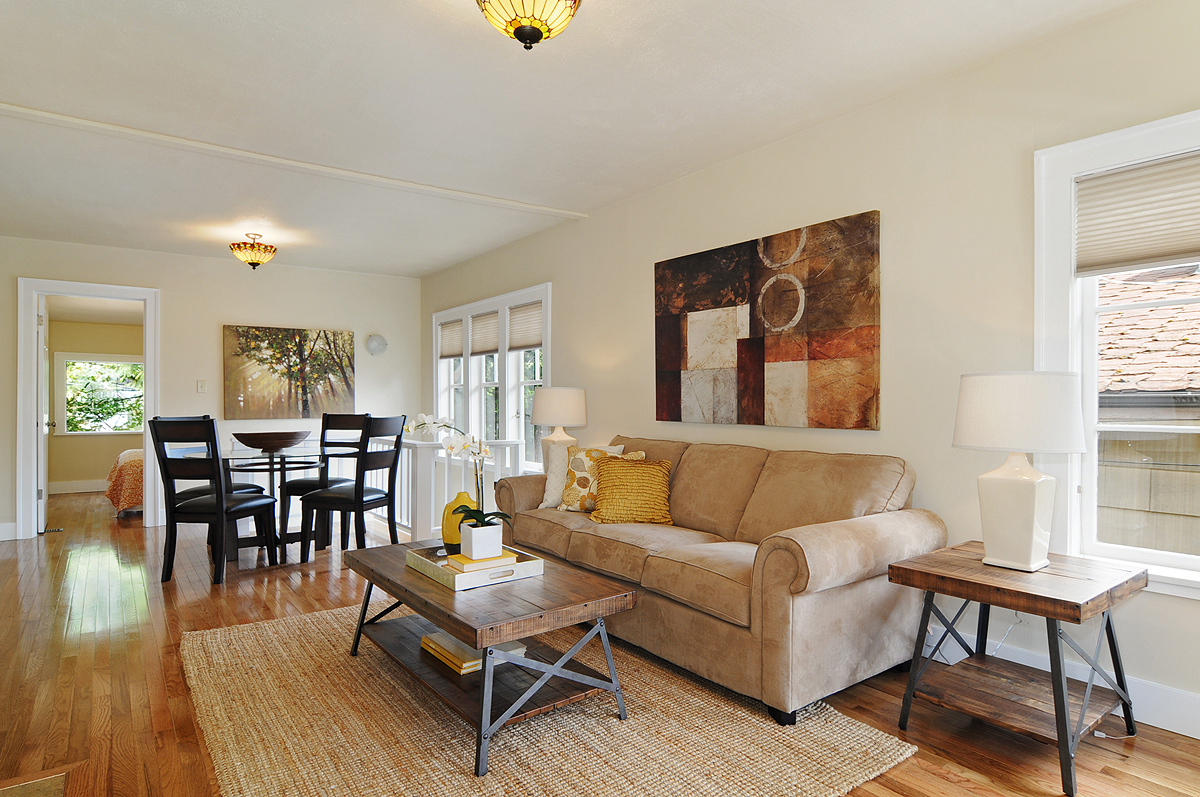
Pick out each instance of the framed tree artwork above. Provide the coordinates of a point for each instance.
(777, 331)
(277, 372)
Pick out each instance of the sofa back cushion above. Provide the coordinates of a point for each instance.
(799, 488)
(669, 450)
(712, 486)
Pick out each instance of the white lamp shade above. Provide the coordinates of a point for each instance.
(1035, 412)
(560, 406)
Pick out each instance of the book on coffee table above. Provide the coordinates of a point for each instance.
(464, 565)
(459, 656)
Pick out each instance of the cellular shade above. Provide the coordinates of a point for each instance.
(525, 326)
(1138, 217)
(485, 333)
(450, 339)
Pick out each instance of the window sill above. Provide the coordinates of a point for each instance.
(1163, 580)
(96, 434)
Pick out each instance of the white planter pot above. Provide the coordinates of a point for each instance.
(482, 542)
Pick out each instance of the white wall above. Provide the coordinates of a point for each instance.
(199, 296)
(950, 167)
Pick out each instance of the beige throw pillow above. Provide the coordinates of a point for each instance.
(556, 473)
(580, 493)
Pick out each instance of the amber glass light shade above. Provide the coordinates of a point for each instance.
(529, 21)
(251, 252)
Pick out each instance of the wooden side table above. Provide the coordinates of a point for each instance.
(1012, 695)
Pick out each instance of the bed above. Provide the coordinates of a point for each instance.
(125, 481)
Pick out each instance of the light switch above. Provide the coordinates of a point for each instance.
(201, 386)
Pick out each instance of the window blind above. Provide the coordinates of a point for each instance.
(485, 333)
(450, 335)
(525, 326)
(1138, 217)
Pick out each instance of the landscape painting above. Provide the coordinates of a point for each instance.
(776, 331)
(276, 372)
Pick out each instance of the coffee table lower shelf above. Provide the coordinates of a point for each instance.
(400, 638)
(1010, 695)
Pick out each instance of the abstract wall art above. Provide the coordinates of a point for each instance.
(275, 372)
(777, 331)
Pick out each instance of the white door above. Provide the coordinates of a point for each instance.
(43, 414)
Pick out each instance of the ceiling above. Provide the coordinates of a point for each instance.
(404, 136)
(90, 310)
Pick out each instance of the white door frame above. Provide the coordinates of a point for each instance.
(28, 421)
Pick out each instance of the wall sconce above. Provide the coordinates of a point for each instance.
(376, 344)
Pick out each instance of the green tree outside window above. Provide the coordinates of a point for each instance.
(104, 397)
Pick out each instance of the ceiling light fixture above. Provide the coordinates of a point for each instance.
(251, 252)
(529, 21)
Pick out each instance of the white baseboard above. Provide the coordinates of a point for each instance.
(87, 486)
(8, 531)
(1154, 704)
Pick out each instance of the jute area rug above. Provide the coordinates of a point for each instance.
(285, 710)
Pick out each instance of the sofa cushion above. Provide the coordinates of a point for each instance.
(714, 578)
(631, 491)
(670, 450)
(548, 529)
(579, 494)
(620, 549)
(713, 485)
(800, 488)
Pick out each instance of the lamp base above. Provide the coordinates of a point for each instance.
(1016, 507)
(559, 438)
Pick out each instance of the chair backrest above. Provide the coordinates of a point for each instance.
(351, 427)
(387, 434)
(203, 462)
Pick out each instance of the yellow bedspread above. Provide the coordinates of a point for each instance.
(125, 480)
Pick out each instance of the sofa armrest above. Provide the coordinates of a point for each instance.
(520, 493)
(828, 555)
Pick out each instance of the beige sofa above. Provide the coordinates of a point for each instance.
(772, 580)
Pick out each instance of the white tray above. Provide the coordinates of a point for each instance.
(426, 563)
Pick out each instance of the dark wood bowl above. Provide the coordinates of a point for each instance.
(270, 442)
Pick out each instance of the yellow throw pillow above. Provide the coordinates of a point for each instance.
(580, 493)
(632, 492)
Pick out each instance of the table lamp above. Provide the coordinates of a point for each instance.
(559, 407)
(1021, 412)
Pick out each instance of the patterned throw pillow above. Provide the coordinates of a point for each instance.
(632, 492)
(580, 493)
(556, 473)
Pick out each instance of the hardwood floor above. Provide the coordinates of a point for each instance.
(89, 670)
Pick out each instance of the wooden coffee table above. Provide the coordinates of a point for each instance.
(491, 698)
(1011, 695)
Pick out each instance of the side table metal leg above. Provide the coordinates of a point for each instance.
(362, 618)
(914, 671)
(1062, 717)
(1119, 673)
(612, 670)
(482, 736)
(981, 633)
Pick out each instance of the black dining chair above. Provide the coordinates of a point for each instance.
(338, 430)
(378, 449)
(206, 489)
(218, 508)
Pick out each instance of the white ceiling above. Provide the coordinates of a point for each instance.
(91, 310)
(403, 136)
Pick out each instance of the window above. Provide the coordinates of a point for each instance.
(98, 393)
(1118, 300)
(490, 357)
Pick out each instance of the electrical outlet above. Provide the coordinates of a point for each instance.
(201, 386)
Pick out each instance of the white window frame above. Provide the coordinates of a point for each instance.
(61, 358)
(508, 370)
(1064, 305)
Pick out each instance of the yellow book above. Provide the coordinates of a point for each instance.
(464, 565)
(461, 669)
(460, 656)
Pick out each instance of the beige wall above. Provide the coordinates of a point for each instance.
(198, 296)
(84, 458)
(950, 166)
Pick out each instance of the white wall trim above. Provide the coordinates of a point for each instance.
(82, 486)
(26, 420)
(1153, 704)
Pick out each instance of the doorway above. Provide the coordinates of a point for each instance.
(32, 386)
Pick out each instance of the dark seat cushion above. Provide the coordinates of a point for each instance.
(303, 486)
(341, 497)
(244, 503)
(204, 489)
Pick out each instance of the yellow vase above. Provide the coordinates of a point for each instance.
(451, 537)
